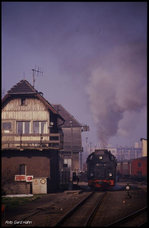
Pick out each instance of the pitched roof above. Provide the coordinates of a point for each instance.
(67, 116)
(25, 88)
(22, 87)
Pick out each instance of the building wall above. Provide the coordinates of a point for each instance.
(17, 188)
(31, 104)
(144, 147)
(32, 110)
(39, 164)
(72, 139)
(32, 165)
(72, 144)
(76, 162)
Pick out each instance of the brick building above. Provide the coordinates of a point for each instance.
(31, 140)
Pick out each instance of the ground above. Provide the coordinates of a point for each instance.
(46, 210)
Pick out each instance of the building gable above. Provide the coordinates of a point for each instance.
(24, 89)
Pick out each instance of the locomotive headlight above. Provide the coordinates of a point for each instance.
(100, 157)
(110, 174)
(127, 187)
(91, 174)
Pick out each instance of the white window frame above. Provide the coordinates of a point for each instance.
(7, 130)
(44, 129)
(23, 127)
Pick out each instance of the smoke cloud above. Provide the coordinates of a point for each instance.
(117, 87)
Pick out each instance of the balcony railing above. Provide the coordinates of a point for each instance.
(32, 141)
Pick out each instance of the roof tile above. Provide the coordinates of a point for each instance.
(67, 116)
(22, 87)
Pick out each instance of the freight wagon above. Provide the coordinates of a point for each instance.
(134, 169)
(139, 168)
(124, 169)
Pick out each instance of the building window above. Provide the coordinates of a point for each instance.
(6, 126)
(139, 164)
(68, 162)
(22, 169)
(23, 127)
(22, 101)
(39, 127)
(35, 127)
(43, 126)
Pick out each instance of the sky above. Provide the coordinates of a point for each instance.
(93, 56)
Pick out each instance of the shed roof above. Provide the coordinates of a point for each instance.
(67, 116)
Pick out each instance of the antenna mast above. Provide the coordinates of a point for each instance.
(3, 93)
(37, 71)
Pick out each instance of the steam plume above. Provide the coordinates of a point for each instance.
(116, 87)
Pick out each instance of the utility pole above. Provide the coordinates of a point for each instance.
(90, 147)
(71, 148)
(36, 71)
(71, 170)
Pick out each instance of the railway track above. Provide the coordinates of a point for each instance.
(40, 211)
(83, 213)
(93, 209)
(137, 218)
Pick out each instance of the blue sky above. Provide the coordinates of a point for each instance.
(93, 58)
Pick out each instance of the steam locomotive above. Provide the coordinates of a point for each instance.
(101, 169)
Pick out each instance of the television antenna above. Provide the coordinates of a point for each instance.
(36, 72)
(3, 92)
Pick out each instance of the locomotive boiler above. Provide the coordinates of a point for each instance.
(101, 169)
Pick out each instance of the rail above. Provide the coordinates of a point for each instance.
(94, 210)
(66, 216)
(128, 218)
(91, 209)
